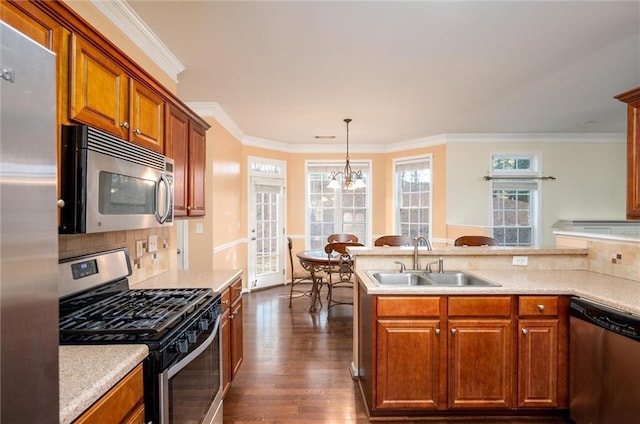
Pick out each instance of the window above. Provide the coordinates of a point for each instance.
(335, 211)
(413, 196)
(514, 192)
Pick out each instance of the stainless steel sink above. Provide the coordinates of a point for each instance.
(458, 278)
(407, 278)
(424, 278)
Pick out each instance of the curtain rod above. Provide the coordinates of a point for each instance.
(488, 177)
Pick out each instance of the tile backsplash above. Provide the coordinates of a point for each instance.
(146, 265)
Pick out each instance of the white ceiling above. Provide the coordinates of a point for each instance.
(403, 71)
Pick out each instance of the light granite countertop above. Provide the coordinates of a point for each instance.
(616, 292)
(88, 372)
(217, 280)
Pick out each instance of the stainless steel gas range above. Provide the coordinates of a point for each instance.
(181, 327)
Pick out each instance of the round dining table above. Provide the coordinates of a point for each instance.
(315, 261)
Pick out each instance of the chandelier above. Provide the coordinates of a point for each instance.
(351, 180)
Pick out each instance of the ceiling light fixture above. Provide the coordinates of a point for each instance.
(351, 180)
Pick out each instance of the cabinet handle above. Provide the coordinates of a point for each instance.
(224, 302)
(525, 331)
(137, 131)
(454, 331)
(437, 331)
(60, 203)
(541, 308)
(125, 124)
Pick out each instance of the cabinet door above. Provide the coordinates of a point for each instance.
(178, 149)
(632, 98)
(237, 345)
(538, 363)
(408, 364)
(481, 363)
(147, 117)
(99, 89)
(197, 152)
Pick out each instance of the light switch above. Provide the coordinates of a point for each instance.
(139, 248)
(199, 228)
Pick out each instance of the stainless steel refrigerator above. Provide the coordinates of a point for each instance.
(28, 232)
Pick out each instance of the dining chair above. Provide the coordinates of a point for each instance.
(299, 277)
(476, 241)
(333, 238)
(340, 272)
(393, 240)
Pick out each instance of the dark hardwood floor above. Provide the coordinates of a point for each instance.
(296, 366)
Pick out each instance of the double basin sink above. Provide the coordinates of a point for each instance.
(426, 278)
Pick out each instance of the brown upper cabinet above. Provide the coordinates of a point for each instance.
(632, 99)
(104, 96)
(186, 145)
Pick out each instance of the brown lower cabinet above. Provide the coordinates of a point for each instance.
(232, 333)
(442, 355)
(123, 404)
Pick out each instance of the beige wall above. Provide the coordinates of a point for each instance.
(590, 182)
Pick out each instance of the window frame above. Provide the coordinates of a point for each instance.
(524, 177)
(396, 218)
(367, 169)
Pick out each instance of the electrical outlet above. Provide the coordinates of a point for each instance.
(520, 260)
(139, 248)
(153, 244)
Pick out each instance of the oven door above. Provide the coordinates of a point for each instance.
(191, 390)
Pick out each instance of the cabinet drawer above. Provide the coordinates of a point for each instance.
(408, 306)
(538, 306)
(235, 290)
(225, 298)
(124, 399)
(485, 306)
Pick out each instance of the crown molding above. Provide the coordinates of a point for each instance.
(127, 20)
(214, 110)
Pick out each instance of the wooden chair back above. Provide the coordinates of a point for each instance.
(340, 247)
(393, 240)
(476, 241)
(333, 238)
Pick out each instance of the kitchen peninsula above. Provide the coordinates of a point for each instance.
(432, 350)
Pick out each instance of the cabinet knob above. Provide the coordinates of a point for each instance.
(60, 203)
(188, 208)
(454, 331)
(541, 308)
(137, 131)
(125, 124)
(525, 331)
(437, 331)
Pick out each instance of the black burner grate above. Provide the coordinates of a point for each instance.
(133, 312)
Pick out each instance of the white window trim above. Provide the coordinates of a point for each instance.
(536, 171)
(409, 159)
(354, 165)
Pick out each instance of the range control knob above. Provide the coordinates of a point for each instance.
(183, 345)
(203, 324)
(192, 335)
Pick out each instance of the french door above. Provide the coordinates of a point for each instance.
(266, 232)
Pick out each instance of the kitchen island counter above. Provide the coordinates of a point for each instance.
(616, 292)
(88, 372)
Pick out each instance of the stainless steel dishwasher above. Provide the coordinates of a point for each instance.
(604, 357)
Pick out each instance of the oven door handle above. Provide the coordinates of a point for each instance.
(187, 359)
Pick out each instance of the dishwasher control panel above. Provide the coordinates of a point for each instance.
(611, 319)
